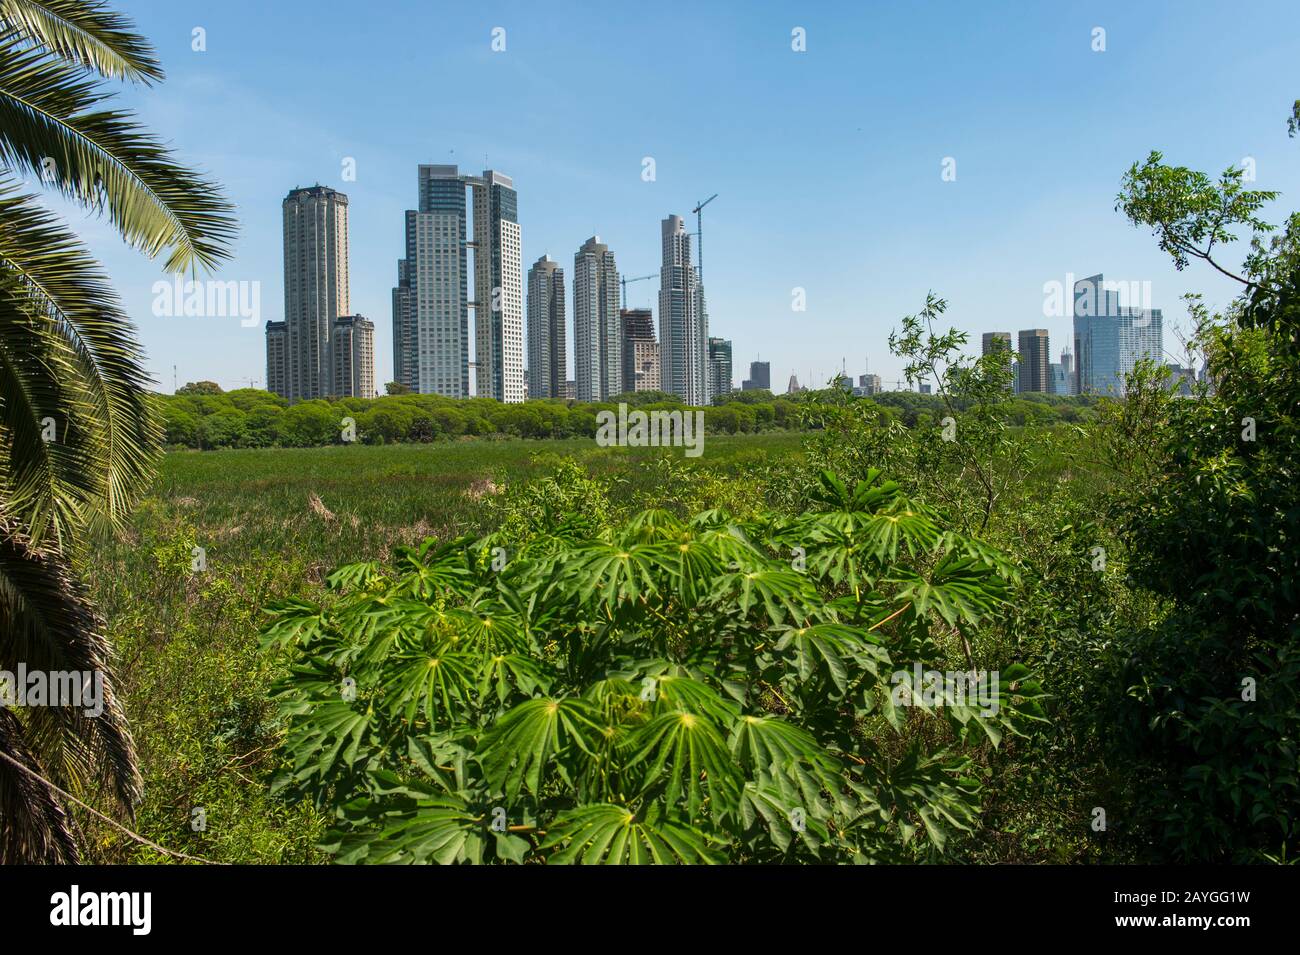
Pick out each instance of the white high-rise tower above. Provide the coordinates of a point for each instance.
(597, 327)
(431, 302)
(683, 329)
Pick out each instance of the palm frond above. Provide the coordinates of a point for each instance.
(49, 625)
(106, 161)
(34, 827)
(87, 33)
(66, 353)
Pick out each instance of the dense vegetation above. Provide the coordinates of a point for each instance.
(620, 655)
(200, 415)
(492, 651)
(78, 439)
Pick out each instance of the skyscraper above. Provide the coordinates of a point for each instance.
(683, 330)
(498, 288)
(597, 329)
(1111, 338)
(719, 368)
(760, 377)
(405, 347)
(353, 352)
(1035, 358)
(315, 287)
(547, 351)
(1063, 374)
(431, 302)
(277, 357)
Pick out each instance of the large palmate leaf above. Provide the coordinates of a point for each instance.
(685, 756)
(673, 691)
(292, 621)
(934, 790)
(782, 594)
(328, 737)
(605, 834)
(958, 588)
(615, 573)
(652, 526)
(533, 738)
(832, 651)
(438, 685)
(407, 824)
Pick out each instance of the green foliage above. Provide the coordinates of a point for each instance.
(200, 418)
(78, 440)
(666, 690)
(1208, 706)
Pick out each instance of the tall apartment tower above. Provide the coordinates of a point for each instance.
(277, 358)
(431, 301)
(640, 350)
(353, 357)
(315, 287)
(597, 329)
(683, 329)
(1034, 372)
(547, 350)
(498, 288)
(1111, 338)
(719, 368)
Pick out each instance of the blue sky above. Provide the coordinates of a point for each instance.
(827, 162)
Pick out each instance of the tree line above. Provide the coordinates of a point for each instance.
(201, 416)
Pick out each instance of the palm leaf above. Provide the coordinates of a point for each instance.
(66, 352)
(86, 33)
(531, 738)
(48, 624)
(104, 160)
(606, 834)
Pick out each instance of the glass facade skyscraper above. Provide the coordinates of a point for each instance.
(1111, 338)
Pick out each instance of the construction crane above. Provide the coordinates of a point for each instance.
(699, 236)
(623, 280)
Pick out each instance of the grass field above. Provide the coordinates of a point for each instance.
(271, 523)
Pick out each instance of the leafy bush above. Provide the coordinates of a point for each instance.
(664, 691)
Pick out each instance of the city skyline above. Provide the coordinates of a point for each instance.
(1022, 211)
